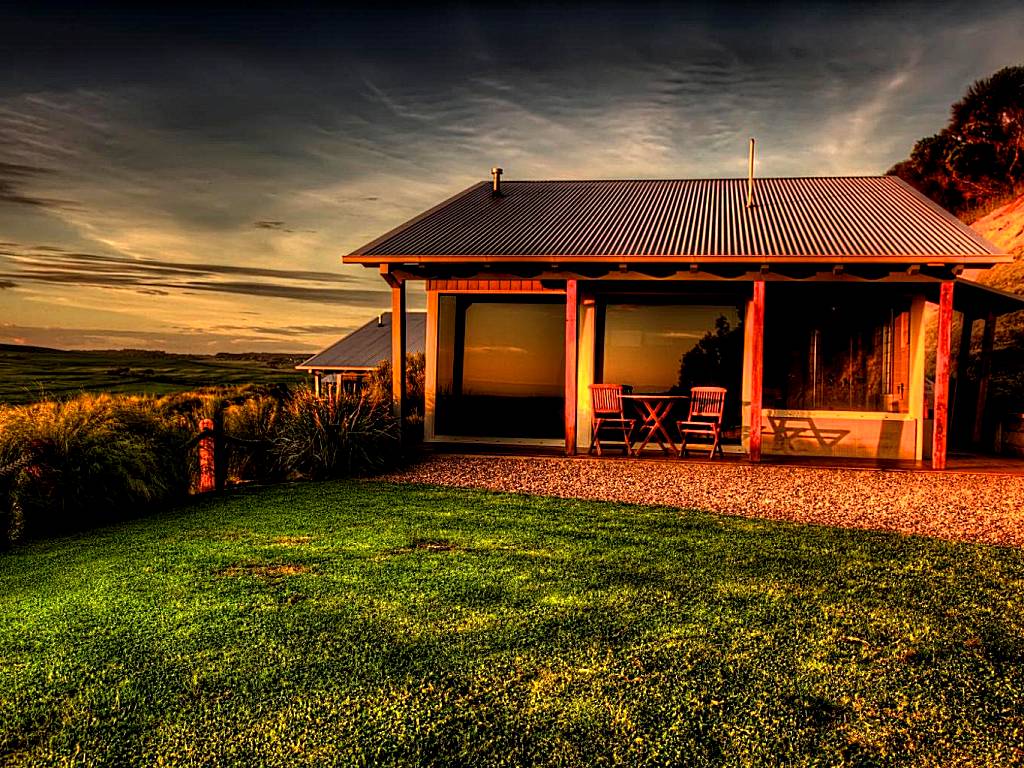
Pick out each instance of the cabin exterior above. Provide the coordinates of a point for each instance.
(346, 364)
(806, 298)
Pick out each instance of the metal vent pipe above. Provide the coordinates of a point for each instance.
(750, 176)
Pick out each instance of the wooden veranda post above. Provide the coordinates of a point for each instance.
(963, 359)
(984, 374)
(940, 427)
(397, 342)
(756, 368)
(571, 312)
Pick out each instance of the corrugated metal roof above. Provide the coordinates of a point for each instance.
(365, 347)
(977, 300)
(878, 217)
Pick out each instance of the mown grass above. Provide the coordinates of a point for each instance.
(369, 624)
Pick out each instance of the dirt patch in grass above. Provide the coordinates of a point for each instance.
(426, 545)
(265, 570)
(291, 541)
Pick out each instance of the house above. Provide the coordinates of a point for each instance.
(348, 361)
(805, 297)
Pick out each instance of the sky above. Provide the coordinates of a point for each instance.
(188, 181)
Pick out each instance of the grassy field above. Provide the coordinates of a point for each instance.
(370, 624)
(32, 373)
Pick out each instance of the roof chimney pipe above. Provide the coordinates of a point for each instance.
(750, 176)
(380, 320)
(496, 176)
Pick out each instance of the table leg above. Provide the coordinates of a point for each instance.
(654, 423)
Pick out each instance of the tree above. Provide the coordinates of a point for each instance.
(979, 155)
(716, 361)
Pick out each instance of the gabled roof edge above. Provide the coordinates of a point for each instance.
(406, 224)
(988, 245)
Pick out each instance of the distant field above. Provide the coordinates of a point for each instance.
(34, 373)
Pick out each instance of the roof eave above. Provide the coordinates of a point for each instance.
(978, 261)
(360, 368)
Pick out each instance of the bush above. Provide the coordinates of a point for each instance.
(379, 384)
(92, 460)
(251, 427)
(96, 459)
(330, 437)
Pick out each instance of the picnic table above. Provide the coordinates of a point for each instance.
(653, 410)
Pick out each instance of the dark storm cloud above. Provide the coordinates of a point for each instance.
(53, 265)
(4, 284)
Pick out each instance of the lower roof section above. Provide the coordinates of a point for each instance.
(365, 347)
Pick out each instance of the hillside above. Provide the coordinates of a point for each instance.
(33, 373)
(1004, 227)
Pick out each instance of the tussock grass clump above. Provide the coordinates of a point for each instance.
(252, 425)
(68, 465)
(73, 464)
(344, 436)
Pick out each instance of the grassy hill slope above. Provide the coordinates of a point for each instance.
(1004, 226)
(35, 373)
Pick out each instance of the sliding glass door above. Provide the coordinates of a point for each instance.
(501, 366)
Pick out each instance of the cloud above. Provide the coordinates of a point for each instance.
(496, 349)
(52, 265)
(287, 330)
(15, 177)
(181, 339)
(278, 225)
(206, 172)
(4, 284)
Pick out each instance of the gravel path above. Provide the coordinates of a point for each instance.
(968, 507)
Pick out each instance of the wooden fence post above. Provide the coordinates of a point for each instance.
(220, 452)
(207, 480)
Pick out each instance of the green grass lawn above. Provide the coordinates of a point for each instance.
(364, 623)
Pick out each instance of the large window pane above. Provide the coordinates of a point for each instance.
(837, 353)
(662, 347)
(501, 367)
(645, 344)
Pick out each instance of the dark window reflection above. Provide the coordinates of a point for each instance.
(843, 353)
(501, 367)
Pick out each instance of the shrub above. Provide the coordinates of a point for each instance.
(379, 383)
(95, 459)
(251, 426)
(319, 438)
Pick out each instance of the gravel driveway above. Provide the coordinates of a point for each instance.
(963, 506)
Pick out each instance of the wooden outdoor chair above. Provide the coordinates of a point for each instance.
(705, 419)
(606, 402)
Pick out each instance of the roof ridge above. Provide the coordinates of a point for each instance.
(881, 176)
